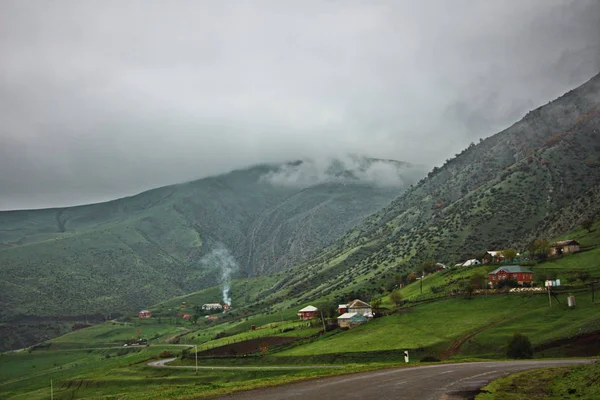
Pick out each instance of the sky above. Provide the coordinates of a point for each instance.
(101, 99)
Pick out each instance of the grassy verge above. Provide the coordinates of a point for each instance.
(581, 382)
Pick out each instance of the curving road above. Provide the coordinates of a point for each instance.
(163, 364)
(430, 382)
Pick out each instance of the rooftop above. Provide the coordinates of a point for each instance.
(511, 269)
(309, 309)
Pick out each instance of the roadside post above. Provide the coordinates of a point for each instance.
(406, 356)
(196, 352)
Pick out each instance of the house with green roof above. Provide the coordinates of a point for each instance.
(515, 272)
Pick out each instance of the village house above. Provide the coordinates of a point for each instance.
(212, 307)
(515, 272)
(564, 247)
(308, 312)
(360, 307)
(144, 314)
(351, 319)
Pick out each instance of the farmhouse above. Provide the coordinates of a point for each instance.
(308, 312)
(360, 307)
(514, 272)
(351, 319)
(144, 314)
(564, 247)
(471, 262)
(212, 307)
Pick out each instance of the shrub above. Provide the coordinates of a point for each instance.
(165, 354)
(519, 347)
(430, 359)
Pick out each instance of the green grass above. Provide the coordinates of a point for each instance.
(579, 382)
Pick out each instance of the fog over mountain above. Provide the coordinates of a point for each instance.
(100, 100)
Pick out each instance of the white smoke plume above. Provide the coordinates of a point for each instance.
(223, 260)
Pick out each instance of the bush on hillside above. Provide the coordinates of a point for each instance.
(519, 347)
(507, 283)
(165, 354)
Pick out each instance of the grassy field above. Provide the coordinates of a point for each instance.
(436, 326)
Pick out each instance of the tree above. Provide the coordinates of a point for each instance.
(509, 254)
(375, 303)
(587, 224)
(396, 297)
(519, 347)
(539, 248)
(411, 278)
(479, 280)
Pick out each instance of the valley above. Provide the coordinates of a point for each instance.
(174, 251)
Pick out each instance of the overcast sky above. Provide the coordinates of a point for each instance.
(101, 99)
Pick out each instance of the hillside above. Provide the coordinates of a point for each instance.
(93, 362)
(534, 180)
(121, 255)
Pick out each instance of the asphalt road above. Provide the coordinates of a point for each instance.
(439, 382)
(163, 364)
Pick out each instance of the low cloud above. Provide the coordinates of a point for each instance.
(102, 99)
(348, 169)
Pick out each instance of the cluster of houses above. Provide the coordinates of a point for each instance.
(355, 313)
(522, 276)
(215, 307)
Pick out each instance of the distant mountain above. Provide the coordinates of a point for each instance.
(535, 180)
(133, 252)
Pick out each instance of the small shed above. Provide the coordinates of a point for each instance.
(343, 308)
(351, 319)
(564, 247)
(144, 314)
(308, 312)
(470, 263)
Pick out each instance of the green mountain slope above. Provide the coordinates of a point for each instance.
(117, 256)
(536, 179)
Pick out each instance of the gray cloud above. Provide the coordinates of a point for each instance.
(101, 99)
(345, 169)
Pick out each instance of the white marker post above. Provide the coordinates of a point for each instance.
(406, 356)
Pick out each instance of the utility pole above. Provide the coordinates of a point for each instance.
(592, 284)
(549, 298)
(422, 275)
(323, 320)
(51, 391)
(196, 352)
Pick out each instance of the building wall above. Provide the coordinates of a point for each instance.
(361, 310)
(306, 315)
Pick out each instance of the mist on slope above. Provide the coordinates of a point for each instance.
(346, 169)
